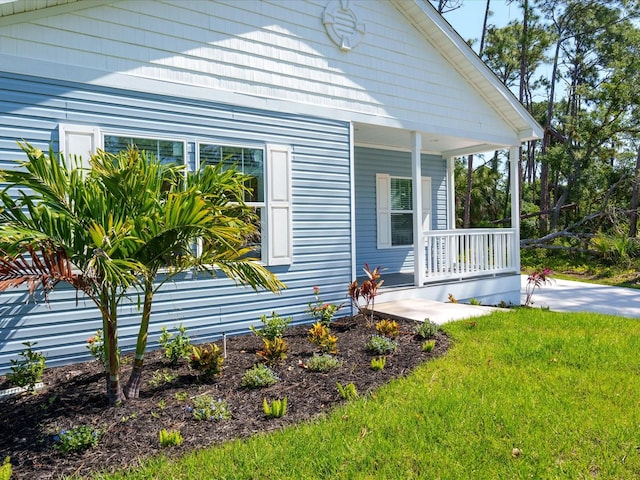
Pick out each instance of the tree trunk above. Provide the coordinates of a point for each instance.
(466, 222)
(110, 326)
(132, 390)
(484, 27)
(633, 217)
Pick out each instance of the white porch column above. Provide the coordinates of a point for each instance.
(451, 193)
(418, 238)
(514, 190)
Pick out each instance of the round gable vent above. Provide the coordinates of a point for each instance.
(342, 25)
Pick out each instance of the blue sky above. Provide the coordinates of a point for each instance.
(467, 20)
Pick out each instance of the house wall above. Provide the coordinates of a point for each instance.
(31, 109)
(369, 162)
(257, 53)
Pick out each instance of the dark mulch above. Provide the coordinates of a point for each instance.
(75, 395)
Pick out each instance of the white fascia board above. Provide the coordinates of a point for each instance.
(55, 9)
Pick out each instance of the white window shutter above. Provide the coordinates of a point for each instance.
(426, 203)
(383, 209)
(279, 215)
(78, 140)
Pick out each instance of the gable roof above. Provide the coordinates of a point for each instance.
(424, 17)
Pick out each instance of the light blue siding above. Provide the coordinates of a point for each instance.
(31, 109)
(369, 162)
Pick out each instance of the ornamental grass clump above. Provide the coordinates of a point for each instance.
(275, 409)
(259, 376)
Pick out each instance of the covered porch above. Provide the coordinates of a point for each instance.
(436, 259)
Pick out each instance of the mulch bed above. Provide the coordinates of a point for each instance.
(75, 395)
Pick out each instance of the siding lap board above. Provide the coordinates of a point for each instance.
(31, 108)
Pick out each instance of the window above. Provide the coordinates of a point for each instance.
(268, 166)
(249, 161)
(168, 151)
(394, 205)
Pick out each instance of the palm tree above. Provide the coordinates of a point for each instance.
(62, 226)
(118, 225)
(170, 214)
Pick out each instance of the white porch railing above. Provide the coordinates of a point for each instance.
(468, 253)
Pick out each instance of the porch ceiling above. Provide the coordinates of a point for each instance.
(400, 139)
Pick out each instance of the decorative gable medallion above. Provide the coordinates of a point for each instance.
(342, 25)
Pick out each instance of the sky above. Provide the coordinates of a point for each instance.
(467, 20)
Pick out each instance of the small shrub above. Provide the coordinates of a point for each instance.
(274, 327)
(321, 336)
(323, 363)
(428, 345)
(207, 359)
(175, 346)
(161, 377)
(322, 312)
(380, 345)
(273, 351)
(378, 364)
(95, 345)
(206, 408)
(426, 329)
(6, 469)
(347, 392)
(474, 301)
(77, 439)
(388, 328)
(259, 376)
(29, 370)
(276, 409)
(363, 296)
(170, 438)
(535, 280)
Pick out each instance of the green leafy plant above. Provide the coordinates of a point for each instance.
(363, 296)
(6, 469)
(77, 439)
(378, 363)
(181, 396)
(474, 301)
(347, 392)
(536, 279)
(322, 312)
(276, 409)
(175, 346)
(205, 407)
(323, 363)
(170, 438)
(259, 376)
(28, 370)
(388, 328)
(274, 327)
(273, 351)
(161, 377)
(426, 329)
(428, 345)
(380, 345)
(95, 345)
(321, 336)
(207, 359)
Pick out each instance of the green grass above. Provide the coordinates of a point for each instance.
(564, 389)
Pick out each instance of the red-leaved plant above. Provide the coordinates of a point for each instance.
(363, 296)
(535, 280)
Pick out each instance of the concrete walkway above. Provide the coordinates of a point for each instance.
(570, 296)
(438, 312)
(558, 295)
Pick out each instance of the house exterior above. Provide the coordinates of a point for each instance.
(349, 113)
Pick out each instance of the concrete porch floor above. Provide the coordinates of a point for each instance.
(438, 312)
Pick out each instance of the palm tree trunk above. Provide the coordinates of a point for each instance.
(110, 326)
(132, 390)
